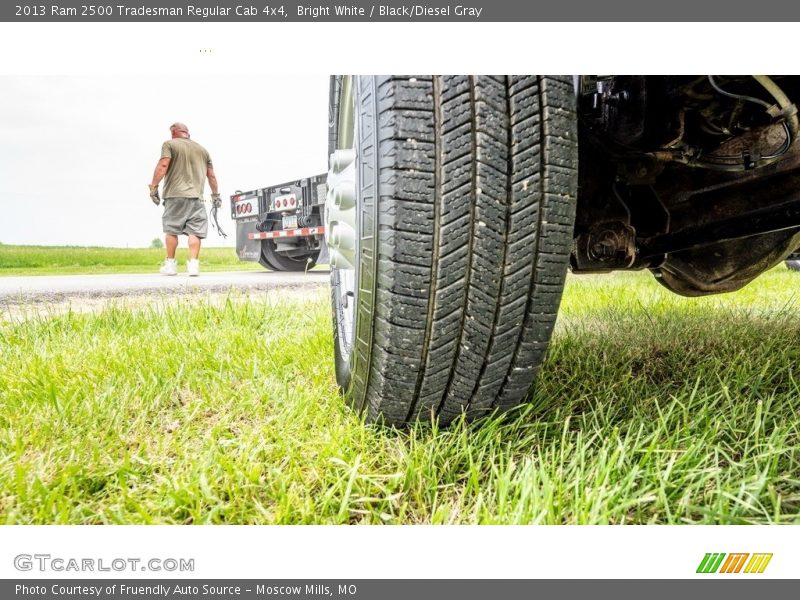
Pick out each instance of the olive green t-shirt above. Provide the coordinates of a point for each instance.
(186, 175)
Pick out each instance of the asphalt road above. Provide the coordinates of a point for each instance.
(56, 287)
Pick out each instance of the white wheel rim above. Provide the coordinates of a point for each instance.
(341, 215)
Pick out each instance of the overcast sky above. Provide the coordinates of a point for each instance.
(77, 153)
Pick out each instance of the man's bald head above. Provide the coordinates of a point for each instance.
(179, 130)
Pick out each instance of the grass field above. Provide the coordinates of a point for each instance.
(76, 260)
(651, 408)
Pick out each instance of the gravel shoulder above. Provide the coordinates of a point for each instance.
(25, 297)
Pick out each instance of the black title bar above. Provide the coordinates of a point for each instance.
(394, 11)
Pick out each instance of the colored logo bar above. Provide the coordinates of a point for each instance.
(737, 562)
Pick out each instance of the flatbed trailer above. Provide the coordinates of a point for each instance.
(281, 226)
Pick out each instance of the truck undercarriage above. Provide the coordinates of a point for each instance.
(695, 178)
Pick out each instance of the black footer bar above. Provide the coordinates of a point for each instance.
(733, 588)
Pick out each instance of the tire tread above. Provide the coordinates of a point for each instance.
(476, 182)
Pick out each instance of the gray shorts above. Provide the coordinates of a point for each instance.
(185, 216)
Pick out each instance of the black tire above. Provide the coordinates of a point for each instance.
(793, 265)
(264, 261)
(466, 207)
(274, 261)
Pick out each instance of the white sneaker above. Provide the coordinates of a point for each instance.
(170, 267)
(193, 266)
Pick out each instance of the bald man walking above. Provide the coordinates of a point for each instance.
(184, 166)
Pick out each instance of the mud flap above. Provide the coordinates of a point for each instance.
(247, 249)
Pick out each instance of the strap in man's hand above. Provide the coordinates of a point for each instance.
(216, 203)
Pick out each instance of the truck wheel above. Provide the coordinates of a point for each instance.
(264, 261)
(275, 261)
(449, 220)
(793, 265)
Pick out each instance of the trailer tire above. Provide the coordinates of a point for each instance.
(275, 261)
(465, 203)
(793, 265)
(264, 261)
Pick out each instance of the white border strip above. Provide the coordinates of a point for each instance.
(239, 48)
(472, 552)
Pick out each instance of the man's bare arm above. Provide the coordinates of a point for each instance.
(212, 180)
(161, 170)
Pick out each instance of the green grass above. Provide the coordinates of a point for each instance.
(651, 408)
(76, 260)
